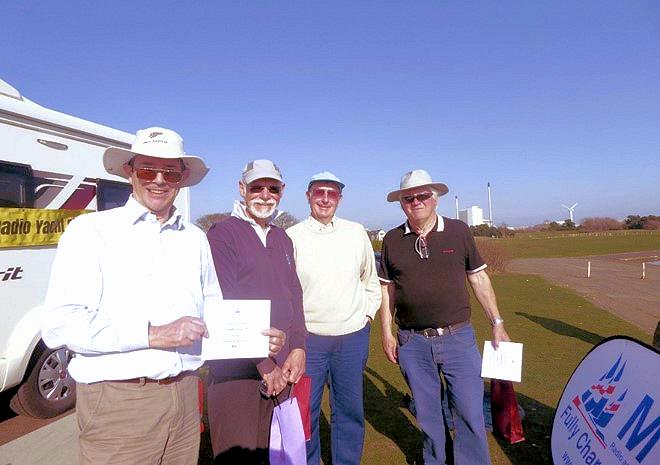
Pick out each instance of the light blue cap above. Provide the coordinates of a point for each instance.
(325, 176)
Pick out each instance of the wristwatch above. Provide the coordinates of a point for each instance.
(497, 321)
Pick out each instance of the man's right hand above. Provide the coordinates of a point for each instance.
(390, 347)
(275, 381)
(179, 333)
(276, 340)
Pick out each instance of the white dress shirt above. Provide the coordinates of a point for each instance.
(116, 272)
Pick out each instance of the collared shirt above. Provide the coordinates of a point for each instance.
(115, 273)
(430, 292)
(240, 211)
(337, 271)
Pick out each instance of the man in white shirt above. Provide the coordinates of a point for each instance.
(126, 294)
(341, 294)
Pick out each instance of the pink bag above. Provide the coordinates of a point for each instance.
(287, 438)
(504, 408)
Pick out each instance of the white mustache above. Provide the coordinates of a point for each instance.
(265, 203)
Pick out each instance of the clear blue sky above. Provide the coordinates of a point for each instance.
(552, 102)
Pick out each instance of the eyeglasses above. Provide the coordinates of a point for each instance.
(256, 189)
(421, 197)
(149, 174)
(422, 247)
(321, 193)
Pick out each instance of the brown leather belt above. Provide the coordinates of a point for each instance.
(435, 332)
(163, 382)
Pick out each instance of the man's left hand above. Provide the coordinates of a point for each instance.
(294, 366)
(499, 335)
(276, 340)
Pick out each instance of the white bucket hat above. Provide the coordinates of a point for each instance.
(160, 143)
(413, 179)
(260, 169)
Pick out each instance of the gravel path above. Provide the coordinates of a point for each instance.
(615, 283)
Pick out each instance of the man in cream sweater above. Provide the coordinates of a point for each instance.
(341, 294)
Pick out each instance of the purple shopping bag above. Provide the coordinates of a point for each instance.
(287, 438)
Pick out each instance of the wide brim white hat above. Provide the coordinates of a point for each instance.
(159, 143)
(414, 179)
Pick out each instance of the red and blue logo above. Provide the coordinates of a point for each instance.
(601, 401)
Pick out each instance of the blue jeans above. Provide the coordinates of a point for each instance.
(341, 360)
(456, 356)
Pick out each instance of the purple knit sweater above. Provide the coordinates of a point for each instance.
(248, 270)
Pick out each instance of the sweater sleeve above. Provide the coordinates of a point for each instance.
(369, 277)
(298, 330)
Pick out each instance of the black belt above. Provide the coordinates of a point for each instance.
(435, 332)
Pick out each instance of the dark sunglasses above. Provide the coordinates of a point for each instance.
(256, 189)
(321, 193)
(421, 197)
(149, 174)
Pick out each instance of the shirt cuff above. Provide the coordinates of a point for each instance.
(266, 366)
(297, 341)
(476, 270)
(132, 335)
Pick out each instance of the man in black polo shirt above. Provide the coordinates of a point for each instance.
(424, 265)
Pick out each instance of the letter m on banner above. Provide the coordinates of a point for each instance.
(638, 434)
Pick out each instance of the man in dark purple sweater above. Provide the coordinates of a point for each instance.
(254, 260)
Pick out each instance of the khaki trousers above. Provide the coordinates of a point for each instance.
(123, 423)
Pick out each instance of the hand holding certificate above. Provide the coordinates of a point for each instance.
(503, 363)
(235, 328)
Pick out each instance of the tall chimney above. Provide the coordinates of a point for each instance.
(490, 208)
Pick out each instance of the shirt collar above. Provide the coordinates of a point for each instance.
(316, 225)
(439, 227)
(135, 212)
(240, 211)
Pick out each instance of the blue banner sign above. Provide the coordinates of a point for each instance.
(609, 413)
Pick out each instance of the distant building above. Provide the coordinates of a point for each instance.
(472, 216)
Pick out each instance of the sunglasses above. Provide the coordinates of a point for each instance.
(421, 197)
(321, 193)
(149, 174)
(256, 189)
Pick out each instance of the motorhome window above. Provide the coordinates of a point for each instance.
(111, 194)
(16, 186)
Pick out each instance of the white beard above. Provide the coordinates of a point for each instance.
(262, 214)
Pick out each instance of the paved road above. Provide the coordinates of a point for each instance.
(615, 284)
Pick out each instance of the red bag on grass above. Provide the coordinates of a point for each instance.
(504, 408)
(302, 391)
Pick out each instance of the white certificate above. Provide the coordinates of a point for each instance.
(504, 363)
(235, 328)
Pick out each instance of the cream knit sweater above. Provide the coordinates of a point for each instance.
(337, 271)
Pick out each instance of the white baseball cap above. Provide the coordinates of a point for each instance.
(326, 176)
(259, 169)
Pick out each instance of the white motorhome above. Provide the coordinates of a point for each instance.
(51, 170)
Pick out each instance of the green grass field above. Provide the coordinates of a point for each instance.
(557, 328)
(545, 245)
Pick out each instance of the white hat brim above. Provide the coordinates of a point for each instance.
(114, 158)
(441, 188)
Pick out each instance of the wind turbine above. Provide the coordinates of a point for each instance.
(570, 211)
